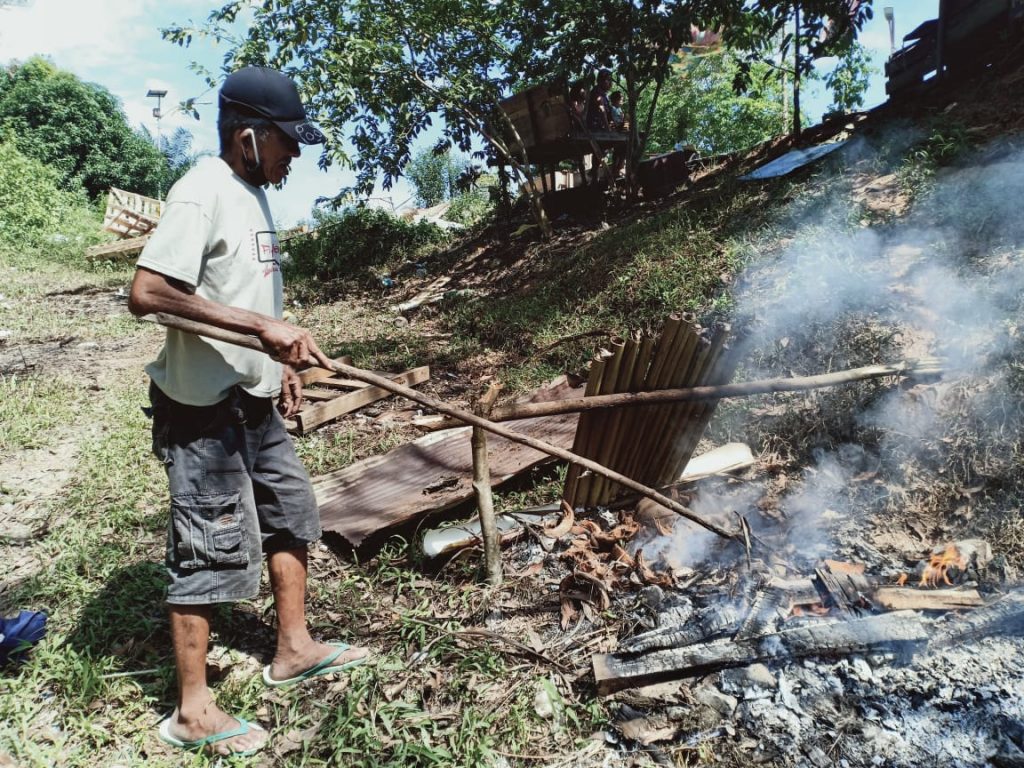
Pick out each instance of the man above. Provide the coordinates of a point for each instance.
(237, 488)
(599, 110)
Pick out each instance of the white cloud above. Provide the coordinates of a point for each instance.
(75, 33)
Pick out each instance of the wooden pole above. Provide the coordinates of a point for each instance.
(515, 412)
(251, 342)
(482, 489)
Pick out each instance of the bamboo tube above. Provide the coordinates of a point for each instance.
(687, 416)
(252, 342)
(667, 420)
(649, 436)
(580, 441)
(611, 447)
(700, 412)
(633, 417)
(596, 428)
(664, 348)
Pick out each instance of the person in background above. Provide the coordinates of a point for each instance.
(599, 109)
(238, 491)
(618, 116)
(578, 107)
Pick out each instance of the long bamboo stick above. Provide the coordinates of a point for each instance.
(251, 342)
(518, 411)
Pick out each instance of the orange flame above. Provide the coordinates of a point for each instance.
(937, 570)
(817, 609)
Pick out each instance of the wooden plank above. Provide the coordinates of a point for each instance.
(616, 671)
(317, 395)
(342, 384)
(122, 249)
(314, 374)
(431, 474)
(908, 598)
(315, 415)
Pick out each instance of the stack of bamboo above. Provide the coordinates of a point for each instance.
(649, 444)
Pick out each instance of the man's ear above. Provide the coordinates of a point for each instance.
(249, 148)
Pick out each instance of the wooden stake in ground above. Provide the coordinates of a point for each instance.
(251, 342)
(482, 489)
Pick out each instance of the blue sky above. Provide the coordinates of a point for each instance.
(118, 45)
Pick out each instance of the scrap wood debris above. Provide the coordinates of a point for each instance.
(840, 610)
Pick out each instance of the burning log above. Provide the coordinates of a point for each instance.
(898, 630)
(713, 623)
(904, 598)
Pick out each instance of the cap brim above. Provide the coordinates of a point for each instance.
(302, 131)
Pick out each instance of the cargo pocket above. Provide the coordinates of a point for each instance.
(207, 532)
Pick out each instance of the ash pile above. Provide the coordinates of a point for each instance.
(749, 657)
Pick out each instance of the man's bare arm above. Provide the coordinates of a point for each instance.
(153, 292)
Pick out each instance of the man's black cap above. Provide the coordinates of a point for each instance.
(272, 95)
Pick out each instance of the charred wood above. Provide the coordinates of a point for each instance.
(900, 630)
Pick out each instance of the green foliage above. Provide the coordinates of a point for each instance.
(178, 155)
(800, 34)
(36, 212)
(435, 176)
(698, 106)
(849, 80)
(79, 129)
(346, 242)
(469, 208)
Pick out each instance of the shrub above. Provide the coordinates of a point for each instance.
(36, 212)
(470, 208)
(346, 242)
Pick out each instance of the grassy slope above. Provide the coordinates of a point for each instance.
(439, 695)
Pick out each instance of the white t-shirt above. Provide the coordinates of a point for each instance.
(216, 235)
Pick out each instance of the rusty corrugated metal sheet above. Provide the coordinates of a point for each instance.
(383, 491)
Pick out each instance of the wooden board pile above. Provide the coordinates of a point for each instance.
(328, 396)
(652, 444)
(130, 216)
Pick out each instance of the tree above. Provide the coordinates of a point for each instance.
(809, 30)
(435, 176)
(379, 72)
(177, 152)
(77, 128)
(637, 39)
(849, 80)
(699, 107)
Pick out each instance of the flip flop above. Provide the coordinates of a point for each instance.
(244, 726)
(325, 667)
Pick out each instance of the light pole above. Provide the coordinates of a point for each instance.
(157, 94)
(890, 17)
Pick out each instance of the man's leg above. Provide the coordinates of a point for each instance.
(296, 650)
(196, 715)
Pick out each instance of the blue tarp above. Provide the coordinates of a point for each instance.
(790, 161)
